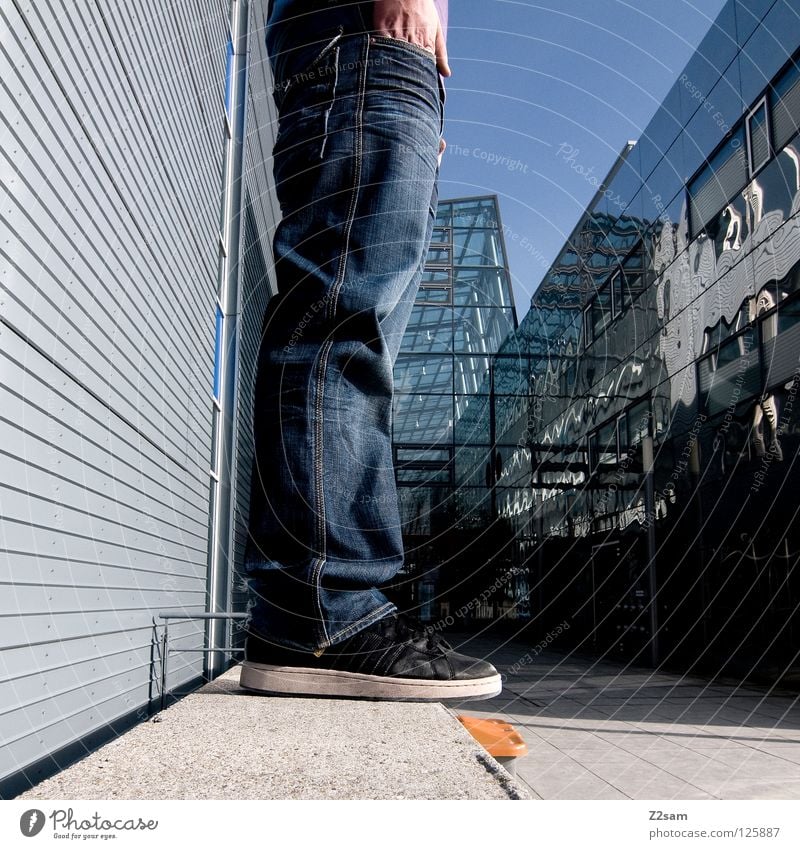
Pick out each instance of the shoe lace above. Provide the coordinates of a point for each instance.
(409, 627)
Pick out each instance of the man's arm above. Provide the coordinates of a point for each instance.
(416, 21)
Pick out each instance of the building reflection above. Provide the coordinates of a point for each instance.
(624, 459)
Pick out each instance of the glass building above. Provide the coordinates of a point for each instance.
(639, 430)
(442, 426)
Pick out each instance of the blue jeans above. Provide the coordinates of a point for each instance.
(355, 166)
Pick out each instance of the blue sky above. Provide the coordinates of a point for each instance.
(530, 77)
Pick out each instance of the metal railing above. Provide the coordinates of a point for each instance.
(166, 616)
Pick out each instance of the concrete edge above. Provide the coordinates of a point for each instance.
(510, 786)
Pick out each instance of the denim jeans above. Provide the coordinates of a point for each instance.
(355, 166)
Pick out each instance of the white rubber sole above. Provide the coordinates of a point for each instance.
(298, 681)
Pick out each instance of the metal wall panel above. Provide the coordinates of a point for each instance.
(770, 46)
(258, 280)
(112, 166)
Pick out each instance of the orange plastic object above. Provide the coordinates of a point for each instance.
(498, 738)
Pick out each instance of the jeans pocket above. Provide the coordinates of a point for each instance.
(402, 44)
(302, 66)
(304, 97)
(442, 101)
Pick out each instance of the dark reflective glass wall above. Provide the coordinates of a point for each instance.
(647, 469)
(624, 460)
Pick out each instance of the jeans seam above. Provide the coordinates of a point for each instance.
(330, 310)
(319, 414)
(318, 480)
(359, 150)
(316, 579)
(354, 627)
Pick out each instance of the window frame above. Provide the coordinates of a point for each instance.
(620, 422)
(617, 277)
(617, 309)
(441, 286)
(763, 102)
(767, 98)
(588, 339)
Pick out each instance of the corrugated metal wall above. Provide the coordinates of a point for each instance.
(260, 215)
(112, 161)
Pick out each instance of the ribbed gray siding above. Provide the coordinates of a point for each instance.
(112, 161)
(260, 213)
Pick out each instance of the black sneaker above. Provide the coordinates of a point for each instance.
(394, 658)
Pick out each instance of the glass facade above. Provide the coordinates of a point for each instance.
(443, 384)
(648, 472)
(624, 460)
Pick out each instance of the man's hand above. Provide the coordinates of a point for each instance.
(415, 21)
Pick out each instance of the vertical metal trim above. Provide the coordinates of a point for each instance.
(650, 512)
(493, 440)
(506, 265)
(222, 478)
(219, 330)
(229, 78)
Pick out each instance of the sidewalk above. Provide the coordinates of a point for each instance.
(595, 730)
(599, 730)
(224, 743)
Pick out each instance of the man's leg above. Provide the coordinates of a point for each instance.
(355, 172)
(355, 169)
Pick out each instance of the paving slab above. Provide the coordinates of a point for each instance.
(600, 730)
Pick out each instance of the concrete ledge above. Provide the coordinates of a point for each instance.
(224, 743)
